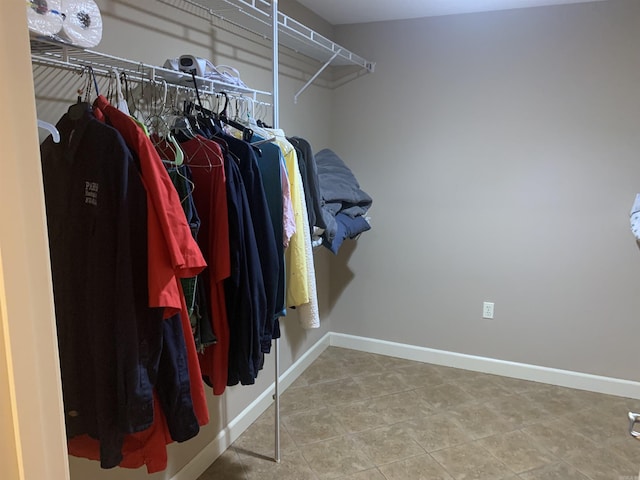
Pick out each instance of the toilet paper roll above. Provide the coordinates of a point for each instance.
(82, 25)
(44, 17)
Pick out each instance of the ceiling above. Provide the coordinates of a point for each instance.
(339, 12)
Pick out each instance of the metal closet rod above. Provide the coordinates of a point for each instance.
(56, 54)
(139, 77)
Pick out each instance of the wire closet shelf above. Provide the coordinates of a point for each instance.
(49, 52)
(255, 16)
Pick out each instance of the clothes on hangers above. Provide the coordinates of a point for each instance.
(265, 235)
(216, 225)
(177, 405)
(309, 310)
(204, 158)
(251, 290)
(94, 201)
(244, 289)
(243, 286)
(275, 183)
(147, 447)
(199, 316)
(309, 173)
(173, 252)
(289, 226)
(295, 255)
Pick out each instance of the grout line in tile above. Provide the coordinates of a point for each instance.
(547, 417)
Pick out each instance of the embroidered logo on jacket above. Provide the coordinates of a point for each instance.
(91, 193)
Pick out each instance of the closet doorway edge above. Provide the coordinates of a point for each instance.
(31, 388)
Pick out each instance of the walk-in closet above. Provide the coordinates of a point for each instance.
(479, 324)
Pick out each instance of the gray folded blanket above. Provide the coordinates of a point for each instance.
(340, 190)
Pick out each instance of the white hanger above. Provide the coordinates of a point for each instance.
(51, 128)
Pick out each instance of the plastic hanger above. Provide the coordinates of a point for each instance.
(182, 126)
(55, 135)
(179, 158)
(168, 139)
(247, 133)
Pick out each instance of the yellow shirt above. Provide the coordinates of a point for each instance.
(295, 255)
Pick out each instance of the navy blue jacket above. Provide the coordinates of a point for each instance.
(265, 236)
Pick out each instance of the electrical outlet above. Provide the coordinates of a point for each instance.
(487, 310)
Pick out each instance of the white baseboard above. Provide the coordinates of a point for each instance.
(239, 424)
(564, 378)
(553, 376)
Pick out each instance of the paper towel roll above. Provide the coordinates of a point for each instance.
(82, 25)
(44, 17)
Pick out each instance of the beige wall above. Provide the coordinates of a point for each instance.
(502, 153)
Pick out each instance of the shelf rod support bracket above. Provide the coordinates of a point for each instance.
(312, 79)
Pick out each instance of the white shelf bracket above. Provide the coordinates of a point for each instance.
(312, 79)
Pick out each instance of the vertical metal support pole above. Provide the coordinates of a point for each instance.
(276, 124)
(276, 82)
(277, 403)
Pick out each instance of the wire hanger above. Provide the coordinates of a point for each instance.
(208, 152)
(157, 123)
(78, 110)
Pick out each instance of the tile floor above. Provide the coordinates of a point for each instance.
(359, 416)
